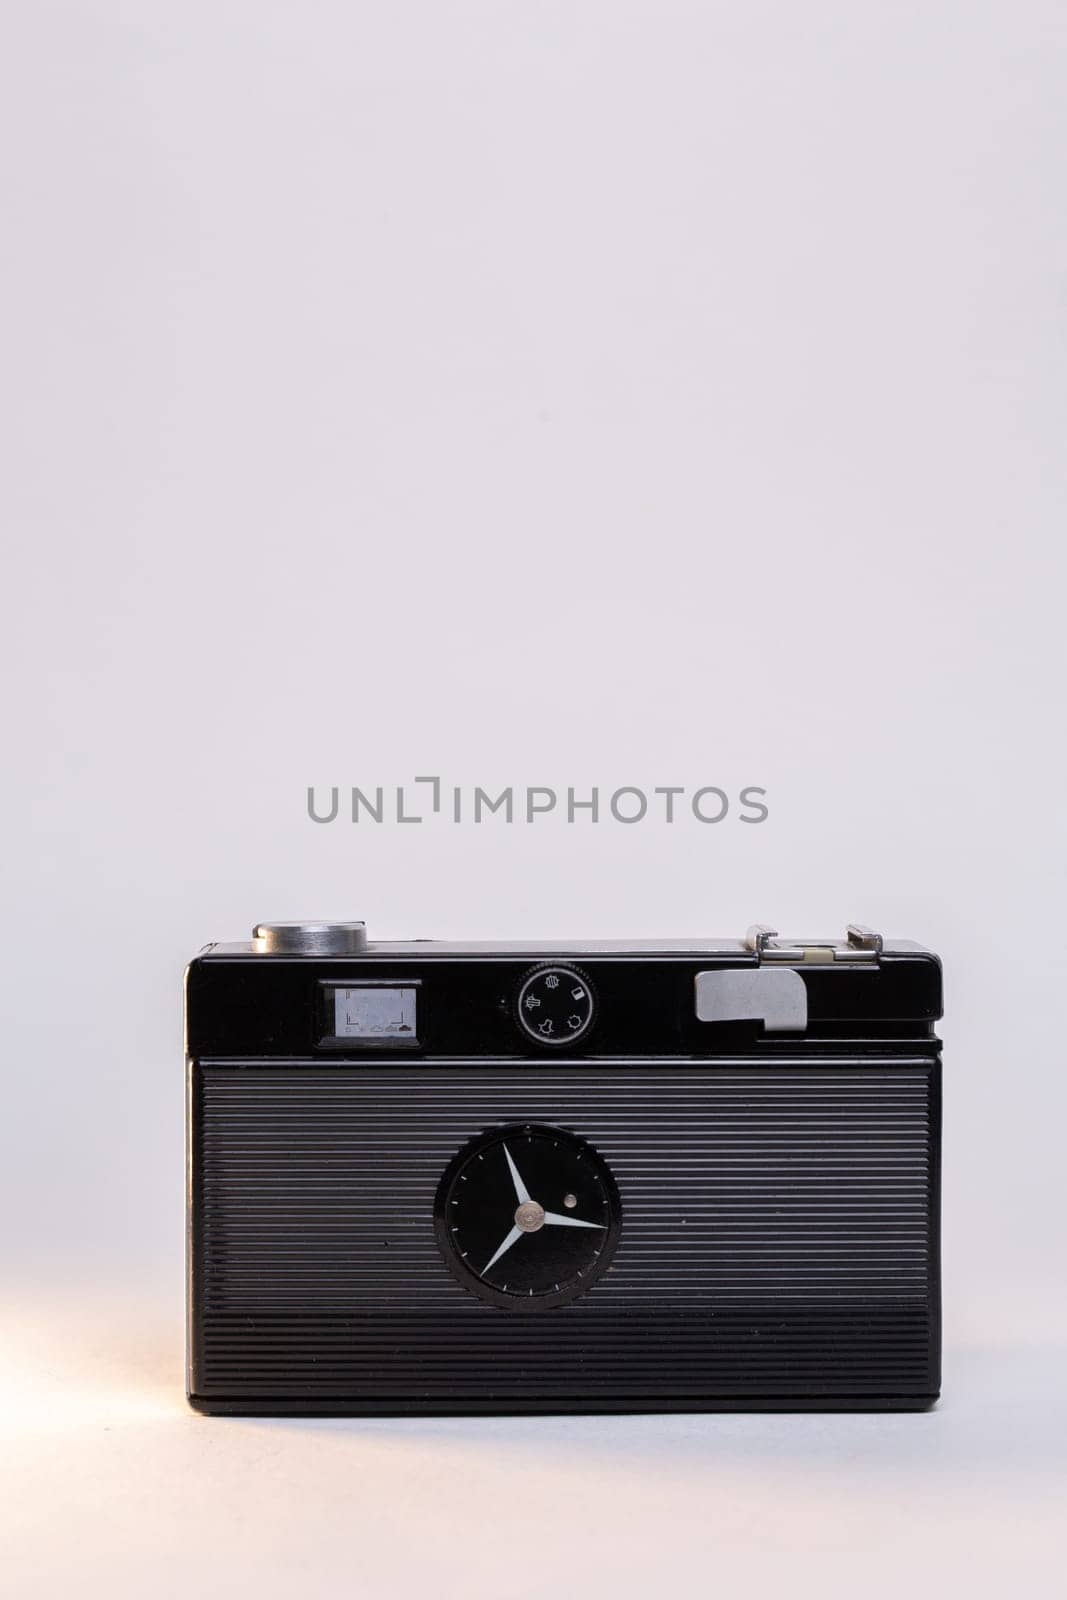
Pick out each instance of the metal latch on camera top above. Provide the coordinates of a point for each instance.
(775, 996)
(773, 992)
(860, 945)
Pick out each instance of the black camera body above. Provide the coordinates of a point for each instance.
(438, 1177)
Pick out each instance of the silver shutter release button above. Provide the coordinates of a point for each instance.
(309, 938)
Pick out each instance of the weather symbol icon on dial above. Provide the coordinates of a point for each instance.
(527, 1217)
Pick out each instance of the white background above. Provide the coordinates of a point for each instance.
(552, 393)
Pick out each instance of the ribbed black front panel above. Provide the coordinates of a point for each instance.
(778, 1237)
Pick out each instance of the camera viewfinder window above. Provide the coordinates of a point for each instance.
(374, 1012)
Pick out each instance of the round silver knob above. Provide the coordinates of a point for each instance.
(309, 938)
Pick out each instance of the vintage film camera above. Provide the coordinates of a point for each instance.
(442, 1177)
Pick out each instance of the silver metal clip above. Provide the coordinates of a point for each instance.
(860, 946)
(777, 997)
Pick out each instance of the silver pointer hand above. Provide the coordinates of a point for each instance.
(522, 1194)
(513, 1237)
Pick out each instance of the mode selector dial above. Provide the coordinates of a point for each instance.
(555, 1005)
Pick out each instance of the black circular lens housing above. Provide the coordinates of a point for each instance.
(527, 1216)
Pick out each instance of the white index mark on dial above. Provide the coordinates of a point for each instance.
(554, 1218)
(521, 1191)
(512, 1238)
